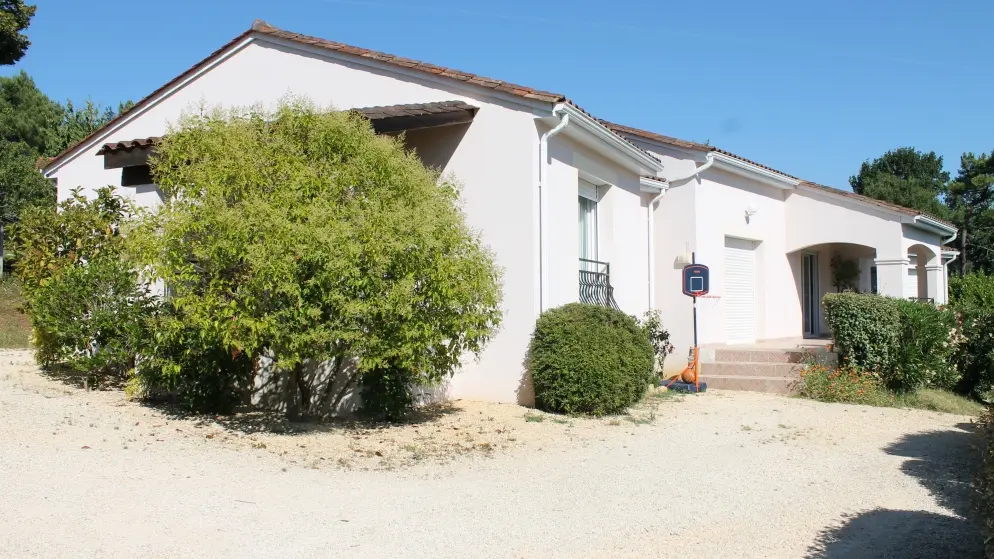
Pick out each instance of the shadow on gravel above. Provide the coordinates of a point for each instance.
(249, 422)
(943, 462)
(70, 377)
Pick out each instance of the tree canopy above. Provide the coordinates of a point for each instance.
(971, 201)
(302, 235)
(15, 16)
(906, 177)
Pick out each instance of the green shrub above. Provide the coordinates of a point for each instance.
(586, 359)
(202, 373)
(972, 290)
(974, 355)
(317, 240)
(387, 394)
(926, 339)
(93, 318)
(87, 306)
(846, 384)
(907, 344)
(984, 482)
(865, 329)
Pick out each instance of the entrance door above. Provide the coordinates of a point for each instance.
(809, 295)
(740, 290)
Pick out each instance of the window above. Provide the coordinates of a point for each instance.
(587, 220)
(873, 279)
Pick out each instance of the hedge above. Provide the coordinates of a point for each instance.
(586, 359)
(984, 482)
(908, 344)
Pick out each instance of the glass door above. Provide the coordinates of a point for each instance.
(588, 233)
(809, 289)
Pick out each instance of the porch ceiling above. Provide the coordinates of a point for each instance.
(385, 120)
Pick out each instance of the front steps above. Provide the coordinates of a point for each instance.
(775, 371)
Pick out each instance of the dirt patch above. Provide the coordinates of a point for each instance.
(443, 433)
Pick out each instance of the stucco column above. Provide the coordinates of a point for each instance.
(934, 275)
(890, 276)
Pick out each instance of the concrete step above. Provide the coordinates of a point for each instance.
(752, 369)
(769, 385)
(774, 356)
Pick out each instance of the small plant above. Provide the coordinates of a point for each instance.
(845, 274)
(534, 417)
(652, 323)
(846, 384)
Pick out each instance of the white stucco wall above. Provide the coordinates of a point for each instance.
(622, 226)
(722, 200)
(699, 214)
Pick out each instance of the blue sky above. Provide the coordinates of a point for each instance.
(810, 88)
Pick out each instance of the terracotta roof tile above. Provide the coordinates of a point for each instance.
(372, 113)
(128, 145)
(262, 27)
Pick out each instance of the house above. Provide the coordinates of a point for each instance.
(770, 238)
(574, 208)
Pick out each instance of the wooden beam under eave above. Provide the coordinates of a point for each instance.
(401, 123)
(133, 157)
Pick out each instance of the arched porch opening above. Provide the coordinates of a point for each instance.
(829, 268)
(921, 278)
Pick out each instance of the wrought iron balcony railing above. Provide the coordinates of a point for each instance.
(595, 283)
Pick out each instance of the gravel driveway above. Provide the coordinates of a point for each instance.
(87, 474)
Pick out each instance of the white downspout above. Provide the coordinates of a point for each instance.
(652, 248)
(949, 240)
(543, 155)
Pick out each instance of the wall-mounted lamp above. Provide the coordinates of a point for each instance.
(751, 210)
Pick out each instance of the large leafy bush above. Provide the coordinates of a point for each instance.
(984, 481)
(974, 356)
(927, 340)
(586, 359)
(89, 308)
(304, 236)
(908, 344)
(974, 290)
(865, 329)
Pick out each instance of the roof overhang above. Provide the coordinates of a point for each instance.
(931, 224)
(752, 171)
(398, 118)
(653, 185)
(385, 120)
(609, 143)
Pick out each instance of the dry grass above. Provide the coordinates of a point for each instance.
(15, 330)
(940, 401)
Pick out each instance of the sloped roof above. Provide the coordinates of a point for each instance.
(686, 144)
(263, 28)
(696, 146)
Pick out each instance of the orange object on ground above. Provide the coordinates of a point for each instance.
(689, 374)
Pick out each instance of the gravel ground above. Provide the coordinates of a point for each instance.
(89, 474)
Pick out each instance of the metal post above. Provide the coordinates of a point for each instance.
(693, 260)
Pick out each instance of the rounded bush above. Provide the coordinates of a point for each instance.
(586, 359)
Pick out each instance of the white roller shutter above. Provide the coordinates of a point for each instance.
(911, 278)
(740, 290)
